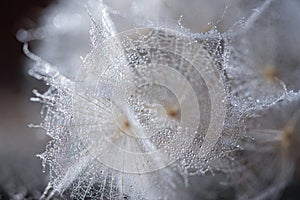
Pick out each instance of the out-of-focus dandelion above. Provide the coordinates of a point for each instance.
(267, 160)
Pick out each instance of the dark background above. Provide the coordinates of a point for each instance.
(15, 85)
(15, 14)
(20, 170)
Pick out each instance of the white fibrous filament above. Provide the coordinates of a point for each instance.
(157, 111)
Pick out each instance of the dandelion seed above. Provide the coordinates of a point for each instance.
(271, 143)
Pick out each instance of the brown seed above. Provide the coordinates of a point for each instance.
(287, 136)
(126, 124)
(173, 113)
(270, 72)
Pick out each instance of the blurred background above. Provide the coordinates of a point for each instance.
(21, 172)
(21, 175)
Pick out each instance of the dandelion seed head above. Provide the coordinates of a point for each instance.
(154, 107)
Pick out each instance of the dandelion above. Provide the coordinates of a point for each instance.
(272, 136)
(151, 108)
